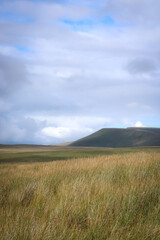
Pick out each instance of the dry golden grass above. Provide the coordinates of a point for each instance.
(107, 197)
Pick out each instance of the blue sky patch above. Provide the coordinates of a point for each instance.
(89, 23)
(24, 49)
(108, 20)
(78, 24)
(14, 17)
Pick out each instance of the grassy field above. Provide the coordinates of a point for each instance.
(31, 153)
(90, 194)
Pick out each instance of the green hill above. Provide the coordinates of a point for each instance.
(121, 137)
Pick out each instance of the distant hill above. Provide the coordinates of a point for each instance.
(121, 137)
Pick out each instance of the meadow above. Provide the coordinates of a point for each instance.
(79, 193)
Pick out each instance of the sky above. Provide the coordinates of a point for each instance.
(70, 68)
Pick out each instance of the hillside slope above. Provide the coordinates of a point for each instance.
(121, 137)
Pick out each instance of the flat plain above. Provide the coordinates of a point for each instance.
(50, 192)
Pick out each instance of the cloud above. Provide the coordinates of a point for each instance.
(59, 83)
(18, 129)
(10, 132)
(138, 106)
(140, 66)
(44, 10)
(131, 123)
(138, 124)
(12, 74)
(73, 127)
(63, 134)
(59, 132)
(143, 12)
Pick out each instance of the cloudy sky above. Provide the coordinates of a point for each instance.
(69, 68)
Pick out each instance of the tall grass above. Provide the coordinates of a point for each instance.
(107, 197)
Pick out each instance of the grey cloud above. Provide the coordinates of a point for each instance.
(145, 12)
(138, 66)
(17, 129)
(10, 132)
(12, 74)
(46, 10)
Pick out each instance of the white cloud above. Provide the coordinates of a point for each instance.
(131, 123)
(138, 124)
(73, 121)
(73, 127)
(57, 132)
(51, 135)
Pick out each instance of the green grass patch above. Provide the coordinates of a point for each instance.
(65, 153)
